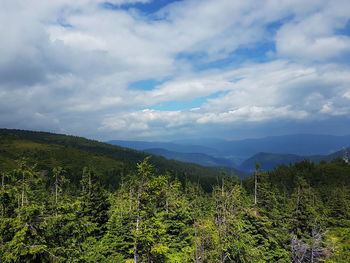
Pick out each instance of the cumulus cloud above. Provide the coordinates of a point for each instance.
(314, 37)
(68, 65)
(272, 91)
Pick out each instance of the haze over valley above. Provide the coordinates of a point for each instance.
(269, 152)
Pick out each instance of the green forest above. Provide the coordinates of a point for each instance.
(69, 199)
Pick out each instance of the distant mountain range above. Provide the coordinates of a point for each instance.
(299, 144)
(242, 154)
(199, 158)
(170, 146)
(222, 164)
(269, 161)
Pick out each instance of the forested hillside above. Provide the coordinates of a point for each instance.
(50, 150)
(68, 199)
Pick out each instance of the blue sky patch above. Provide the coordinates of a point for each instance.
(63, 23)
(147, 84)
(147, 8)
(274, 26)
(345, 30)
(175, 105)
(255, 53)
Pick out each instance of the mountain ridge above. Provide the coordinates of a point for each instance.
(201, 159)
(299, 144)
(268, 161)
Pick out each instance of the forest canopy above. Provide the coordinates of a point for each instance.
(64, 204)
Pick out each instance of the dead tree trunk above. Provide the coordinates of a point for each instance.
(255, 187)
(167, 197)
(23, 187)
(137, 227)
(195, 234)
(3, 181)
(223, 225)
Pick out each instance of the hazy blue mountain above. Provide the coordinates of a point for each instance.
(299, 144)
(209, 142)
(242, 154)
(170, 146)
(201, 159)
(268, 161)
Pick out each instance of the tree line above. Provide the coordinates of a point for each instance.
(295, 213)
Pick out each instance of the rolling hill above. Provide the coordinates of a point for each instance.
(73, 153)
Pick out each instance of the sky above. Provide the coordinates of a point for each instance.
(166, 70)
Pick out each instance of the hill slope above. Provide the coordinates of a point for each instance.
(73, 153)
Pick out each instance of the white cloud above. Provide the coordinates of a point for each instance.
(347, 95)
(263, 92)
(329, 109)
(253, 114)
(314, 37)
(148, 120)
(72, 62)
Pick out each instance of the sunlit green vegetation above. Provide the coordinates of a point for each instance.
(68, 199)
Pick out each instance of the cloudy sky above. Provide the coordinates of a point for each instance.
(163, 70)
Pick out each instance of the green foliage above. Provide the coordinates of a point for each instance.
(61, 200)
